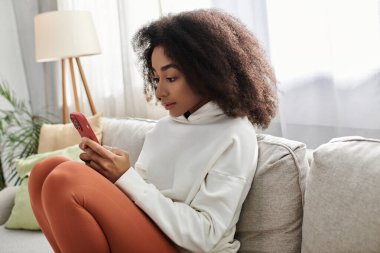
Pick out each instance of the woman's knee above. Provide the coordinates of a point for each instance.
(42, 169)
(65, 176)
(62, 184)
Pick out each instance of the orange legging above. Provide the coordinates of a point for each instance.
(81, 211)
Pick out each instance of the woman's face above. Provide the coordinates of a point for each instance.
(172, 88)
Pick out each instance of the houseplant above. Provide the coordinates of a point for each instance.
(19, 134)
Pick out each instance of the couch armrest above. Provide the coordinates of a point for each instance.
(7, 199)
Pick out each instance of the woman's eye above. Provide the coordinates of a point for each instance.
(171, 79)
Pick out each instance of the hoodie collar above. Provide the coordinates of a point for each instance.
(207, 113)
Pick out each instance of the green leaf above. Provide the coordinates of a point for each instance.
(19, 132)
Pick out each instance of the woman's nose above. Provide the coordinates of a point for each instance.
(161, 91)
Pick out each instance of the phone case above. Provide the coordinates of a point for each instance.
(81, 124)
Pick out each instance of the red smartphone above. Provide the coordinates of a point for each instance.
(81, 124)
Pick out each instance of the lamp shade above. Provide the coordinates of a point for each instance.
(63, 34)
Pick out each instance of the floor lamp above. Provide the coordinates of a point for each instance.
(61, 35)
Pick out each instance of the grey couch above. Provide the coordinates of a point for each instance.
(325, 200)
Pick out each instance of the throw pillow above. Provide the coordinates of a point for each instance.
(342, 203)
(24, 166)
(271, 217)
(22, 216)
(58, 136)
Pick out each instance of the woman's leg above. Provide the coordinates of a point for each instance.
(36, 180)
(87, 213)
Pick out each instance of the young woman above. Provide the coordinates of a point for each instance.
(186, 190)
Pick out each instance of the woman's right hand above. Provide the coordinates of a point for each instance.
(111, 162)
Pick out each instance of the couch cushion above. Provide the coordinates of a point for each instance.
(22, 241)
(342, 199)
(7, 199)
(271, 218)
(127, 134)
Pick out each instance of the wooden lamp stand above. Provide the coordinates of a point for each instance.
(64, 100)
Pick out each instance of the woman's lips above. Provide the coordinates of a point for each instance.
(169, 106)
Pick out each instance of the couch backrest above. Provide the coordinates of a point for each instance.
(127, 134)
(271, 218)
(342, 198)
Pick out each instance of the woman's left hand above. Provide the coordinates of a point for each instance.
(112, 163)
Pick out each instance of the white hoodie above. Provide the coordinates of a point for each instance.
(192, 177)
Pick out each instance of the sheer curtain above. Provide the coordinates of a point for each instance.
(326, 54)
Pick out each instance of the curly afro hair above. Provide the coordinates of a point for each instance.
(220, 59)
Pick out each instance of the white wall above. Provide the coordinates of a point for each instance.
(11, 63)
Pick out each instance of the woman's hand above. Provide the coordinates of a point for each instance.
(110, 162)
